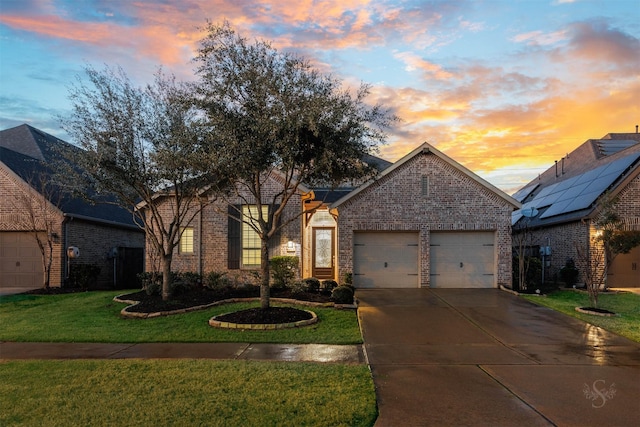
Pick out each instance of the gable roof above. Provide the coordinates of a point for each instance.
(570, 189)
(29, 153)
(426, 148)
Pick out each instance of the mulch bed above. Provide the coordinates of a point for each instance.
(254, 316)
(204, 296)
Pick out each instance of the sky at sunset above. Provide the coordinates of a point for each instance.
(502, 87)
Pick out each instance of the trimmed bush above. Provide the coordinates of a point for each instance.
(569, 273)
(326, 286)
(312, 284)
(216, 280)
(342, 295)
(284, 270)
(298, 287)
(347, 278)
(83, 275)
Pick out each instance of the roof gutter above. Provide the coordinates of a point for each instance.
(102, 221)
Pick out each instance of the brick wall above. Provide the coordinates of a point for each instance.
(455, 202)
(95, 242)
(629, 204)
(211, 233)
(17, 199)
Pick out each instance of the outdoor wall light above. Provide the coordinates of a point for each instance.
(291, 247)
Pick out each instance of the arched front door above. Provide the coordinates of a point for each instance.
(323, 250)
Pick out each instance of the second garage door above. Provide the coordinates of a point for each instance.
(385, 260)
(20, 261)
(462, 259)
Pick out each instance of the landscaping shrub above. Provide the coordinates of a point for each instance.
(327, 286)
(312, 284)
(284, 270)
(298, 287)
(347, 278)
(151, 282)
(216, 280)
(569, 273)
(191, 279)
(342, 295)
(83, 275)
(533, 277)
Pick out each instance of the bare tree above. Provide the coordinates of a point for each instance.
(39, 215)
(142, 144)
(272, 114)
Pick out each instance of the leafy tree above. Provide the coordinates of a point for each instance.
(142, 144)
(273, 114)
(610, 240)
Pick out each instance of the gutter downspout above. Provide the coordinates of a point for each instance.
(200, 245)
(65, 257)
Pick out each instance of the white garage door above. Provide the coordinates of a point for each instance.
(385, 260)
(462, 259)
(20, 261)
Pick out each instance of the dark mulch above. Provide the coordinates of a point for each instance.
(204, 296)
(270, 315)
(597, 310)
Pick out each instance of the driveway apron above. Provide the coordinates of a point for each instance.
(484, 357)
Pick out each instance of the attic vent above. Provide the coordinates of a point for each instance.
(425, 186)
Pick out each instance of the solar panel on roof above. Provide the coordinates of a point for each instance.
(523, 193)
(581, 191)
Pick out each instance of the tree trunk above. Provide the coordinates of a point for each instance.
(166, 277)
(265, 290)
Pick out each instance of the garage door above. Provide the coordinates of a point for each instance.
(20, 261)
(385, 260)
(625, 270)
(462, 259)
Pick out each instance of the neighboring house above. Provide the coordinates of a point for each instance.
(426, 221)
(104, 234)
(563, 200)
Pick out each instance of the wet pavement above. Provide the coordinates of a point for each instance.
(349, 354)
(484, 357)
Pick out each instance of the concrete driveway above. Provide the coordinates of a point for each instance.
(484, 357)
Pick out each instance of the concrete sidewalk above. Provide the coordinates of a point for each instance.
(484, 357)
(352, 354)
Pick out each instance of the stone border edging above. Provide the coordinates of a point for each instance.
(594, 313)
(132, 314)
(263, 326)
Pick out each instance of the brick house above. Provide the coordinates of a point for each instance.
(104, 234)
(560, 203)
(425, 221)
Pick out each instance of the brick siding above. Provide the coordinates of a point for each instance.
(455, 202)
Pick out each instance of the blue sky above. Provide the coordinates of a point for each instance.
(503, 87)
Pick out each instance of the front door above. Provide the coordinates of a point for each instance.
(323, 246)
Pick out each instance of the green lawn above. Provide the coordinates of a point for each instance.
(95, 317)
(184, 393)
(626, 305)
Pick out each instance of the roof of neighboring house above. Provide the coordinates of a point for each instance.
(426, 148)
(570, 189)
(31, 153)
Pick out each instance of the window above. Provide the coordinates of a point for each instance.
(186, 240)
(251, 242)
(425, 186)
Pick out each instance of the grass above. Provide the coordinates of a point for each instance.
(95, 317)
(184, 393)
(626, 305)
